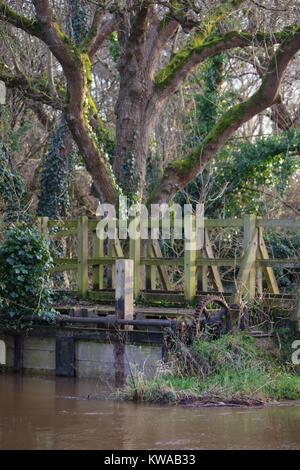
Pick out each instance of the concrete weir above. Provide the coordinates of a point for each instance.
(107, 348)
(102, 356)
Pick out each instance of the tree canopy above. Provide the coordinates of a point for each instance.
(105, 75)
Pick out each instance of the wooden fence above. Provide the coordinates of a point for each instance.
(252, 267)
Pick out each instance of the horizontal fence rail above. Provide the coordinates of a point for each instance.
(198, 265)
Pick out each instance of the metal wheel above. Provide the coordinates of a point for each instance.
(212, 324)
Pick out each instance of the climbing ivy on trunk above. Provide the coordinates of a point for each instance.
(12, 190)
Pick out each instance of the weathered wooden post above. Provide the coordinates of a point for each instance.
(124, 288)
(83, 248)
(190, 265)
(42, 223)
(250, 236)
(98, 252)
(259, 271)
(151, 272)
(245, 282)
(135, 253)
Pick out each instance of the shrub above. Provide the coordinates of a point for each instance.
(24, 273)
(232, 369)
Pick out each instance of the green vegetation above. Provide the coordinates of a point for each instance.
(12, 190)
(25, 262)
(56, 176)
(232, 369)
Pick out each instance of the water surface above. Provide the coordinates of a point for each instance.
(60, 413)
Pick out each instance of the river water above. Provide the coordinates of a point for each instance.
(61, 413)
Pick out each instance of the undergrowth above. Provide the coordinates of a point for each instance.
(229, 370)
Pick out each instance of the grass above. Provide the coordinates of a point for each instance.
(230, 370)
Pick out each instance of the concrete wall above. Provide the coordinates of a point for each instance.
(93, 359)
(39, 355)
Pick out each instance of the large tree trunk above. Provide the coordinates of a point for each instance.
(133, 133)
(134, 119)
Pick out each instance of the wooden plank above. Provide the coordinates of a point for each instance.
(245, 268)
(190, 255)
(98, 271)
(64, 233)
(135, 255)
(64, 264)
(104, 261)
(93, 223)
(83, 256)
(280, 262)
(151, 271)
(213, 268)
(259, 271)
(63, 268)
(118, 248)
(124, 289)
(250, 232)
(180, 262)
(279, 223)
(63, 224)
(61, 261)
(219, 262)
(202, 270)
(111, 271)
(161, 267)
(209, 223)
(42, 224)
(163, 262)
(268, 271)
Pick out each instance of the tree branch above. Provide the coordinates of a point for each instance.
(163, 35)
(140, 22)
(58, 42)
(8, 15)
(180, 172)
(77, 69)
(30, 87)
(190, 52)
(170, 78)
(99, 34)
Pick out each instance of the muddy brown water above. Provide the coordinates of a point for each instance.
(57, 413)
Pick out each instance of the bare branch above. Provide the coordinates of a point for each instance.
(30, 87)
(173, 75)
(180, 172)
(8, 15)
(162, 36)
(58, 42)
(102, 31)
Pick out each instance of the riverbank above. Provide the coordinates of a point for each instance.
(233, 370)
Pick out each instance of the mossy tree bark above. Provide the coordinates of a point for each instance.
(180, 172)
(144, 85)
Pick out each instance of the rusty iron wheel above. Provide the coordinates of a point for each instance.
(217, 324)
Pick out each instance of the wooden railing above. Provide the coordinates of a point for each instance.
(196, 264)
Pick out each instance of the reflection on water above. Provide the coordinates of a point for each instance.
(64, 414)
